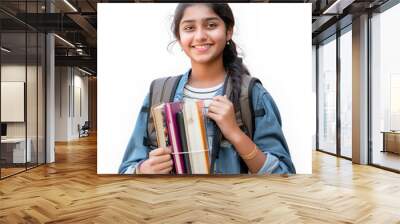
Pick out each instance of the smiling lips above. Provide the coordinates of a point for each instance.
(202, 48)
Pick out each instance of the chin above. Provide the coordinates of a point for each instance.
(203, 59)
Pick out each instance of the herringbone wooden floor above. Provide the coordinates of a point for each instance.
(70, 191)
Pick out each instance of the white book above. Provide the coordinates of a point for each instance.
(196, 137)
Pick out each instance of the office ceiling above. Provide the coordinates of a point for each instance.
(76, 22)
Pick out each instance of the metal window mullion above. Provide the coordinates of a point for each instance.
(37, 91)
(338, 95)
(369, 89)
(73, 91)
(317, 95)
(26, 86)
(45, 93)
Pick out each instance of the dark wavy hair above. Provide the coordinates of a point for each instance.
(232, 63)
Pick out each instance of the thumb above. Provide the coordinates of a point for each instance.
(168, 150)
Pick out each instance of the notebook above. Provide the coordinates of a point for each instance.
(159, 125)
(182, 132)
(171, 110)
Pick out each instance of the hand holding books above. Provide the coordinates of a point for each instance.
(181, 126)
(159, 162)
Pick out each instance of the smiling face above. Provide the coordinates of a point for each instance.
(202, 34)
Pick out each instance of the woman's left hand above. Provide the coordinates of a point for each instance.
(221, 110)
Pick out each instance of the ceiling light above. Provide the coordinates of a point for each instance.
(84, 71)
(5, 50)
(338, 6)
(70, 5)
(65, 41)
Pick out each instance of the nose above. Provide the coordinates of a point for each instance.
(200, 35)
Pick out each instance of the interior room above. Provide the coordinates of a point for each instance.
(48, 104)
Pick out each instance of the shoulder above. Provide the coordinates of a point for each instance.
(165, 80)
(172, 76)
(262, 99)
(161, 79)
(170, 80)
(160, 83)
(258, 91)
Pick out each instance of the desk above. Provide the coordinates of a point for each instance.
(391, 141)
(13, 150)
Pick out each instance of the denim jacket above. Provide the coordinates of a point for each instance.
(268, 137)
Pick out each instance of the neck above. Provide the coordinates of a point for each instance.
(207, 75)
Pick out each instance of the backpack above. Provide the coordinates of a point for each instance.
(162, 90)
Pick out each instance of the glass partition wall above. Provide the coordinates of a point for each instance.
(345, 61)
(334, 75)
(22, 88)
(385, 89)
(327, 95)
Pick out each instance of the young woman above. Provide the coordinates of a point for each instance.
(204, 32)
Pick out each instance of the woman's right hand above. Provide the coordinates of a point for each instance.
(159, 162)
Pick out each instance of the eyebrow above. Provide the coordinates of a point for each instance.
(205, 19)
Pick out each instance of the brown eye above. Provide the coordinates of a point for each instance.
(212, 25)
(188, 28)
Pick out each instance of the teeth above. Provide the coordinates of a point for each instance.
(202, 46)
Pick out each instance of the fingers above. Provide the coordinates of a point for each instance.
(159, 159)
(168, 150)
(221, 101)
(156, 152)
(219, 108)
(165, 171)
(216, 106)
(213, 116)
(163, 166)
(223, 98)
(151, 167)
(160, 151)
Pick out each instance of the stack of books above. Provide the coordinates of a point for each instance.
(181, 125)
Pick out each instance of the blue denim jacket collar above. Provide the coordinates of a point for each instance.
(181, 86)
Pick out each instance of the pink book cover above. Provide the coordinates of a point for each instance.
(171, 109)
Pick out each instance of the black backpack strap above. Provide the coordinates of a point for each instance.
(216, 142)
(246, 104)
(244, 112)
(162, 90)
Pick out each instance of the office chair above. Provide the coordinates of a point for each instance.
(84, 130)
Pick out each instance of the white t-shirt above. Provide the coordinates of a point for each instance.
(205, 94)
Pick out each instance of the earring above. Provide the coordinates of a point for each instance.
(228, 43)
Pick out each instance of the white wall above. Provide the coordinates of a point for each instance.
(33, 127)
(82, 83)
(61, 103)
(12, 73)
(68, 83)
